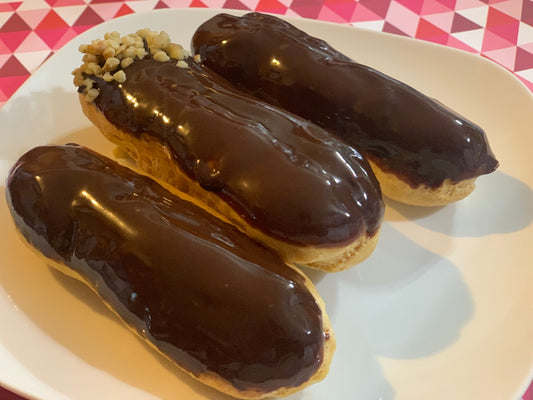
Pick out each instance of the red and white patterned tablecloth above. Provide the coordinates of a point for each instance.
(500, 30)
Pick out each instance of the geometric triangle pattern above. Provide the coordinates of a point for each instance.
(500, 30)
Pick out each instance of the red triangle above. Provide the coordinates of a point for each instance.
(450, 4)
(160, 5)
(10, 84)
(52, 36)
(13, 67)
(389, 28)
(10, 7)
(51, 21)
(124, 10)
(502, 25)
(492, 41)
(272, 6)
(462, 24)
(12, 40)
(524, 60)
(15, 24)
(197, 4)
(307, 9)
(379, 7)
(88, 18)
(413, 5)
(235, 5)
(527, 12)
(363, 14)
(342, 9)
(427, 31)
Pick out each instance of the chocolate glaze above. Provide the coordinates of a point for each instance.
(282, 174)
(394, 125)
(208, 296)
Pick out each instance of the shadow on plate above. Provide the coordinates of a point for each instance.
(499, 204)
(408, 302)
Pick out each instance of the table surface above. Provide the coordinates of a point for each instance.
(499, 30)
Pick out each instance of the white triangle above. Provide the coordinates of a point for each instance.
(473, 38)
(214, 3)
(32, 60)
(371, 25)
(142, 6)
(477, 14)
(525, 34)
(526, 74)
(34, 5)
(70, 14)
(32, 43)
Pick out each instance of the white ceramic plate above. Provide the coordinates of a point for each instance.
(442, 310)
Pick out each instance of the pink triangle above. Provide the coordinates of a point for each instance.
(502, 24)
(327, 14)
(88, 18)
(52, 36)
(307, 8)
(271, 6)
(12, 40)
(13, 67)
(362, 13)
(462, 24)
(4, 49)
(442, 20)
(524, 60)
(3, 59)
(197, 4)
(124, 10)
(389, 28)
(32, 43)
(68, 35)
(107, 10)
(10, 7)
(511, 8)
(527, 12)
(434, 7)
(379, 7)
(235, 5)
(10, 84)
(491, 41)
(160, 4)
(343, 9)
(457, 44)
(505, 57)
(413, 5)
(32, 17)
(529, 84)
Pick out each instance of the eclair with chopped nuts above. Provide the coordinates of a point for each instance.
(279, 178)
(216, 303)
(422, 152)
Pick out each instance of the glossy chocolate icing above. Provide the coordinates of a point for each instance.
(208, 296)
(282, 174)
(394, 125)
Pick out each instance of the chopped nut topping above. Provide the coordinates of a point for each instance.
(107, 58)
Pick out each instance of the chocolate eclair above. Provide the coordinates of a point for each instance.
(281, 179)
(221, 306)
(422, 152)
